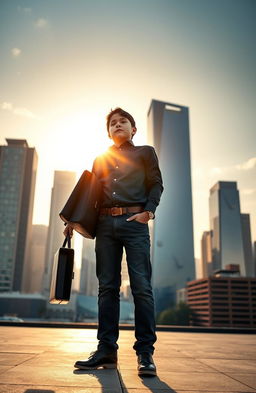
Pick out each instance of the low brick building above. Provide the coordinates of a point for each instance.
(223, 301)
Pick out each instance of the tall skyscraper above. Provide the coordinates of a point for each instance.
(172, 237)
(35, 273)
(247, 244)
(88, 279)
(18, 165)
(225, 224)
(206, 254)
(63, 185)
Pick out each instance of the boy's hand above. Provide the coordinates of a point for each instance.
(142, 217)
(68, 230)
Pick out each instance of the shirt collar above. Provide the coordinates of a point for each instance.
(126, 145)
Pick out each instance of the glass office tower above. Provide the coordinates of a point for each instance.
(172, 235)
(206, 254)
(18, 165)
(225, 224)
(247, 243)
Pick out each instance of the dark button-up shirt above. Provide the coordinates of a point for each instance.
(130, 176)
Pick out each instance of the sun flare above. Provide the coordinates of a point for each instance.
(82, 136)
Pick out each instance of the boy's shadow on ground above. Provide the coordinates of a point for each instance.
(150, 383)
(155, 383)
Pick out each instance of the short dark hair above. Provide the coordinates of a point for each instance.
(122, 113)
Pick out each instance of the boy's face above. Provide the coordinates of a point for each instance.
(120, 129)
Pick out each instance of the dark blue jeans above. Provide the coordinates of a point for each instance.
(114, 233)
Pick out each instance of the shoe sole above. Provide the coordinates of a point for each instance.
(146, 373)
(109, 366)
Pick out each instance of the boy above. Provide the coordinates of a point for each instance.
(132, 187)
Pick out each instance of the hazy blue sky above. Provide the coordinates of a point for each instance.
(65, 63)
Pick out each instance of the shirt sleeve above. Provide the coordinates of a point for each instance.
(154, 180)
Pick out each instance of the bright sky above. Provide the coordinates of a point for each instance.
(65, 63)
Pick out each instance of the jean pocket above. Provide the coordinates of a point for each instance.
(132, 214)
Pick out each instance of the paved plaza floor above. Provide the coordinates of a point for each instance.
(40, 360)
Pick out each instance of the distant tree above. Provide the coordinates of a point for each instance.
(182, 314)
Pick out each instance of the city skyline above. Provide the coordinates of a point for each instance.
(57, 85)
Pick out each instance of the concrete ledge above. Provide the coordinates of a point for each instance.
(160, 328)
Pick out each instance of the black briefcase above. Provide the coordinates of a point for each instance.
(82, 207)
(62, 274)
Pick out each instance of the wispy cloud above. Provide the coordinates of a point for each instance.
(244, 166)
(19, 111)
(16, 52)
(7, 106)
(248, 191)
(216, 171)
(24, 112)
(249, 164)
(41, 23)
(25, 10)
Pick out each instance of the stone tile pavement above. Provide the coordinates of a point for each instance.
(40, 360)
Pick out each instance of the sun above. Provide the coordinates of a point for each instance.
(78, 138)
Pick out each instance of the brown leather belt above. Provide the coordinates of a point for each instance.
(118, 211)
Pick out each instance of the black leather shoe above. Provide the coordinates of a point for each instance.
(146, 365)
(98, 359)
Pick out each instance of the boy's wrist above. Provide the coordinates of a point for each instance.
(150, 214)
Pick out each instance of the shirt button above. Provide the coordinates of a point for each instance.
(115, 179)
(117, 167)
(114, 193)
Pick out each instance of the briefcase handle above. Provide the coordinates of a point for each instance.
(67, 240)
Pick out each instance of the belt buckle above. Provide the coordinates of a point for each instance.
(116, 211)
